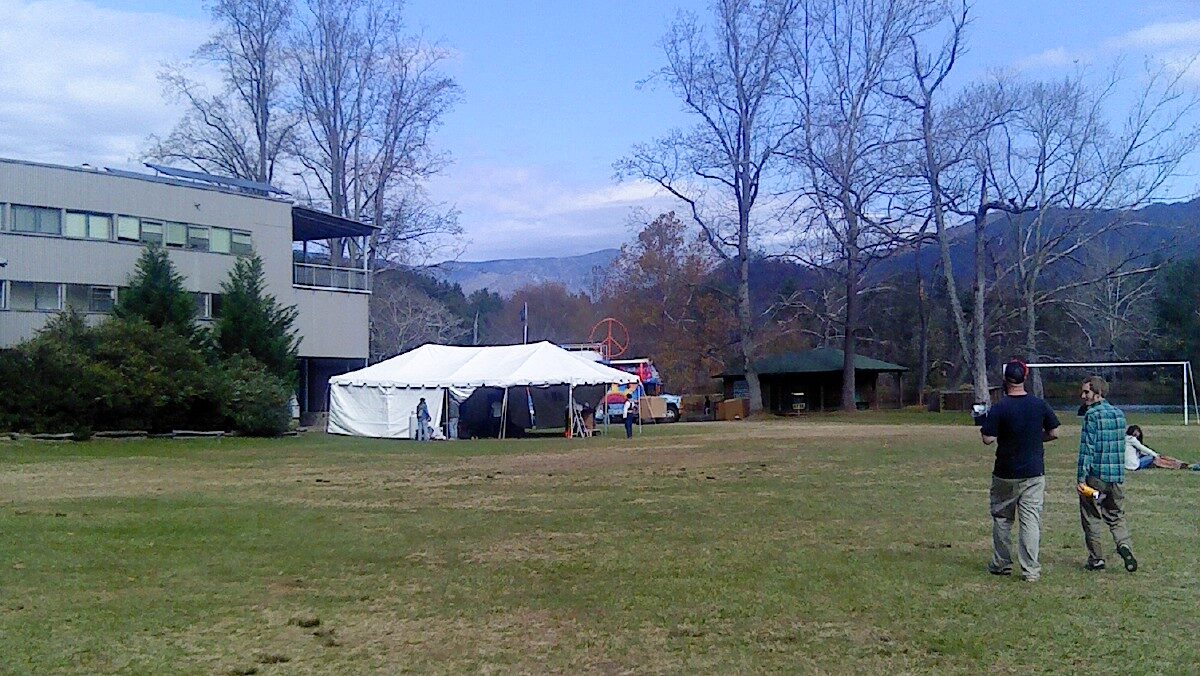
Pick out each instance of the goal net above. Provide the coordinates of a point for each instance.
(1164, 387)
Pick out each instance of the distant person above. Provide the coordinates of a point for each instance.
(707, 408)
(1102, 467)
(1140, 456)
(629, 410)
(1019, 425)
(423, 419)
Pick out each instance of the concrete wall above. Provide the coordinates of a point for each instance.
(332, 323)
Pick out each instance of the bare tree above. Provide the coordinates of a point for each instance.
(736, 90)
(403, 317)
(850, 158)
(242, 130)
(1085, 178)
(369, 99)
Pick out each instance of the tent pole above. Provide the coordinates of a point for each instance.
(446, 411)
(570, 411)
(503, 414)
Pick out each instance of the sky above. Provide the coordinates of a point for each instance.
(551, 95)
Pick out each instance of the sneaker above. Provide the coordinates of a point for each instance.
(1030, 578)
(1127, 556)
(1098, 564)
(1007, 570)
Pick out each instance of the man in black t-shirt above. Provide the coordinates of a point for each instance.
(1018, 425)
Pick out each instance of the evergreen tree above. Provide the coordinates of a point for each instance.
(253, 322)
(156, 295)
(1176, 308)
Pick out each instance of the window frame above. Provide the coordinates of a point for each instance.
(137, 223)
(160, 225)
(38, 213)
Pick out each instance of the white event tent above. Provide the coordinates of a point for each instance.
(380, 400)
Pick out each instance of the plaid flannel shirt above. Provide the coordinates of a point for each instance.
(1102, 444)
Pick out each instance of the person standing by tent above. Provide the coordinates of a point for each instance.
(629, 411)
(423, 419)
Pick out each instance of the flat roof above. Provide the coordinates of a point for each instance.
(151, 178)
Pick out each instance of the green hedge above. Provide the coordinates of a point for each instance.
(125, 374)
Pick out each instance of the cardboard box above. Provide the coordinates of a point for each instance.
(733, 409)
(652, 408)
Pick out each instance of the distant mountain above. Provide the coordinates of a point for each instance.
(1158, 231)
(505, 276)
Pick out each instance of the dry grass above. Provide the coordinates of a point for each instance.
(760, 546)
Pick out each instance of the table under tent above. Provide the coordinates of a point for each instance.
(493, 391)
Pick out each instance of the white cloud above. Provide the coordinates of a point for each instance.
(1170, 34)
(78, 83)
(1058, 57)
(512, 212)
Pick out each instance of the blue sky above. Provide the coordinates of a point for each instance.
(550, 96)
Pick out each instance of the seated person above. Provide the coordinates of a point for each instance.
(1140, 456)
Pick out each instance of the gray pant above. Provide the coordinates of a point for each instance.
(1108, 512)
(1017, 499)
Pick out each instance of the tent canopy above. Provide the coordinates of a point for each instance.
(381, 400)
(450, 366)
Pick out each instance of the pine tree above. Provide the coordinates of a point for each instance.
(156, 294)
(253, 322)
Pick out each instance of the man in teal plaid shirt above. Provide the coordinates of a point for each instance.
(1102, 467)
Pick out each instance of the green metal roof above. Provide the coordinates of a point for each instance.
(819, 360)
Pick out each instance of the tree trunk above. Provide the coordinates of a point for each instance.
(923, 313)
(852, 310)
(746, 325)
(932, 175)
(979, 315)
(1031, 354)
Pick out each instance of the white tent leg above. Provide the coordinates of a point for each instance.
(1192, 382)
(1185, 395)
(503, 414)
(570, 411)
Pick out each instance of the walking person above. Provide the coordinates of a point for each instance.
(423, 419)
(630, 412)
(1101, 468)
(1019, 425)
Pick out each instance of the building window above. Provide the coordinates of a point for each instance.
(35, 296)
(128, 229)
(175, 234)
(3, 295)
(89, 226)
(221, 240)
(36, 219)
(152, 232)
(197, 237)
(240, 243)
(208, 305)
(102, 299)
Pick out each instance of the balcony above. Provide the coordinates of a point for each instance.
(330, 252)
(320, 276)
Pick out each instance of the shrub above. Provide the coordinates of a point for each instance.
(254, 401)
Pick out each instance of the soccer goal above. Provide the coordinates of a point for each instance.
(1149, 386)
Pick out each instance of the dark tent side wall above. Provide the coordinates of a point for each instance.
(479, 415)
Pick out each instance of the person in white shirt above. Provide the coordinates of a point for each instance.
(629, 411)
(1140, 456)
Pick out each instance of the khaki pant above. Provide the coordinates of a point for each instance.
(1108, 512)
(1017, 500)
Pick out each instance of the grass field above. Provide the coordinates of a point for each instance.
(823, 545)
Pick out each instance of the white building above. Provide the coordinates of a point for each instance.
(70, 236)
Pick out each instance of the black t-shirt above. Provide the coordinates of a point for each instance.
(1018, 424)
